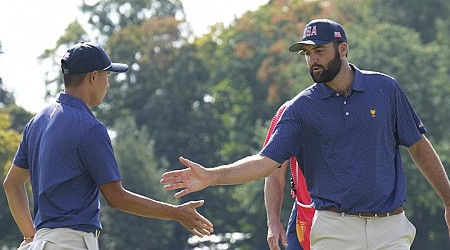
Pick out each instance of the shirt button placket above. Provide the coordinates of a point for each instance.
(344, 103)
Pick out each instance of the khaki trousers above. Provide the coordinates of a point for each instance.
(331, 230)
(62, 239)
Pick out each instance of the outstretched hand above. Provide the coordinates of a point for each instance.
(191, 179)
(189, 218)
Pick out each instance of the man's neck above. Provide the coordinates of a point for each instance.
(343, 81)
(79, 93)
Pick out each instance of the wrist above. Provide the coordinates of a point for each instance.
(273, 220)
(28, 238)
(176, 212)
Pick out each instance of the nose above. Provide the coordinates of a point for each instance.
(311, 59)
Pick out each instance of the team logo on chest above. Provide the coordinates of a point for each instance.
(373, 112)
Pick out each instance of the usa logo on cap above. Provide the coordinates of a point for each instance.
(320, 31)
(310, 31)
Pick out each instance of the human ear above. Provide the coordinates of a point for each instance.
(94, 74)
(343, 49)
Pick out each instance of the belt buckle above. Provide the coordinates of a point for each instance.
(96, 233)
(361, 215)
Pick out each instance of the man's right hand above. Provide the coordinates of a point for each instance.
(189, 218)
(191, 179)
(275, 233)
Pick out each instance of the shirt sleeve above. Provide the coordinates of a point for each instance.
(409, 127)
(21, 159)
(97, 154)
(285, 140)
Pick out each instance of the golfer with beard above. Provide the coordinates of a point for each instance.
(345, 131)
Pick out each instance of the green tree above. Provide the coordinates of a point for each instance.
(140, 174)
(165, 92)
(73, 34)
(9, 140)
(164, 89)
(12, 120)
(18, 116)
(418, 15)
(6, 97)
(112, 15)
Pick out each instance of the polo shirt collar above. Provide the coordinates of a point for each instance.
(73, 102)
(357, 85)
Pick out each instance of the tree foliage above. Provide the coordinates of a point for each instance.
(9, 140)
(12, 120)
(73, 34)
(140, 174)
(6, 97)
(112, 15)
(417, 15)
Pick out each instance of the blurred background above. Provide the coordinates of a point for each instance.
(210, 95)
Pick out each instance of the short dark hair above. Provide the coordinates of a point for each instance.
(74, 80)
(336, 46)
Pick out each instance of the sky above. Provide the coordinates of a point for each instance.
(28, 27)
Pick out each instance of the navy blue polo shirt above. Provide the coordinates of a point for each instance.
(69, 154)
(348, 147)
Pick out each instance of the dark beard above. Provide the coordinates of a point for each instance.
(329, 72)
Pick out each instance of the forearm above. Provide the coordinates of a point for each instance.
(247, 169)
(143, 206)
(428, 162)
(273, 194)
(186, 213)
(19, 207)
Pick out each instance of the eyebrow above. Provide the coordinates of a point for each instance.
(318, 46)
(313, 47)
